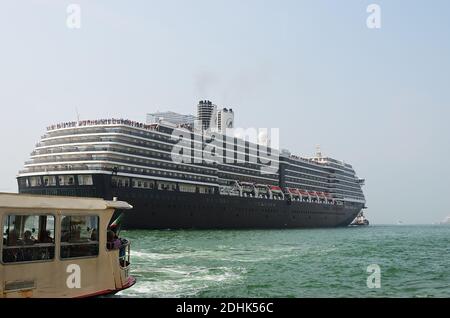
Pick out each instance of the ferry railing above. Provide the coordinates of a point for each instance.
(125, 254)
(125, 258)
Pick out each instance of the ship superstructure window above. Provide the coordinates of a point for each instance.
(143, 183)
(66, 180)
(120, 182)
(188, 188)
(85, 180)
(35, 181)
(79, 236)
(23, 182)
(49, 181)
(28, 238)
(167, 186)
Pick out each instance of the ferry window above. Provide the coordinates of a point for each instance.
(49, 181)
(79, 236)
(85, 180)
(28, 238)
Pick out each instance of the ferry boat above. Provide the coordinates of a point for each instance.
(55, 247)
(184, 171)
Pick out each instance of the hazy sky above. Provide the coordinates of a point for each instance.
(376, 98)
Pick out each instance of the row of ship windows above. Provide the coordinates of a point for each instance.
(153, 154)
(189, 168)
(348, 170)
(351, 195)
(240, 146)
(124, 182)
(183, 168)
(224, 169)
(352, 183)
(165, 174)
(294, 165)
(147, 153)
(156, 155)
(136, 142)
(142, 143)
(345, 176)
(355, 187)
(308, 177)
(156, 164)
(308, 171)
(243, 178)
(302, 181)
(125, 169)
(63, 180)
(337, 186)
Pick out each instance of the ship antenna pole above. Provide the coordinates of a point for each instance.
(78, 114)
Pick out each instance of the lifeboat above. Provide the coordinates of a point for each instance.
(313, 194)
(329, 197)
(263, 191)
(322, 197)
(294, 192)
(275, 189)
(262, 188)
(248, 189)
(303, 192)
(276, 192)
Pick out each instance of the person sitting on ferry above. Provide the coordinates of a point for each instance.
(109, 239)
(46, 237)
(27, 238)
(113, 241)
(94, 236)
(13, 238)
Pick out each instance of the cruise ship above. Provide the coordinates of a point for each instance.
(192, 172)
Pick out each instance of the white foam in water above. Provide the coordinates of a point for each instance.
(183, 281)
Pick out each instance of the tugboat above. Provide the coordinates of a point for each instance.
(360, 220)
(58, 247)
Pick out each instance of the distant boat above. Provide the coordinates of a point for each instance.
(446, 220)
(400, 223)
(360, 220)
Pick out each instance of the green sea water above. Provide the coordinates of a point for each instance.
(414, 262)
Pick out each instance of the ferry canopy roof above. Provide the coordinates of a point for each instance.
(29, 201)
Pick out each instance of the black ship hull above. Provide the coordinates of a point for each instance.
(164, 209)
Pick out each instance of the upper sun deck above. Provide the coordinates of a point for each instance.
(321, 161)
(28, 201)
(101, 122)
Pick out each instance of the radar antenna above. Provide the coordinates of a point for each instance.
(318, 152)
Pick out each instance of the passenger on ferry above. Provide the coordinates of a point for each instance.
(113, 242)
(94, 235)
(46, 237)
(27, 238)
(13, 238)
